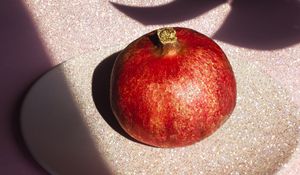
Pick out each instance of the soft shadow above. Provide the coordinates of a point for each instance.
(100, 91)
(256, 24)
(55, 131)
(23, 59)
(176, 11)
(262, 24)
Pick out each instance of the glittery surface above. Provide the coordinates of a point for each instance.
(261, 137)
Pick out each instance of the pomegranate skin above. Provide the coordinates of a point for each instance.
(172, 96)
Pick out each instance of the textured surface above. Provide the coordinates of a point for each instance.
(259, 138)
(55, 31)
(186, 90)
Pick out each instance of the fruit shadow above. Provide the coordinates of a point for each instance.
(101, 94)
(261, 24)
(173, 12)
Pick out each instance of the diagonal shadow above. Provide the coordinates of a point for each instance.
(55, 131)
(22, 60)
(176, 11)
(262, 24)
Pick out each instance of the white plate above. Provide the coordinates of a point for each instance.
(67, 135)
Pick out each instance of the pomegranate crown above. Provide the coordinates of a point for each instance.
(167, 35)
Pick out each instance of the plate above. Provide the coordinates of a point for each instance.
(69, 128)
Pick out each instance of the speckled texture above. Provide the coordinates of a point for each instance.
(261, 134)
(185, 91)
(70, 28)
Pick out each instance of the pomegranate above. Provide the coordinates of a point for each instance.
(172, 87)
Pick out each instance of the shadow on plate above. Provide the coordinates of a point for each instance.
(55, 131)
(100, 92)
(23, 58)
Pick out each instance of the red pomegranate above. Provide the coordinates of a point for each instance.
(172, 87)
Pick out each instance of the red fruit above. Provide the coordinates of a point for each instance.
(172, 87)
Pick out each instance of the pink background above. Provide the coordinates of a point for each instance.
(36, 35)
